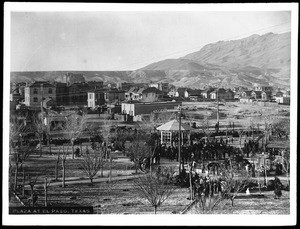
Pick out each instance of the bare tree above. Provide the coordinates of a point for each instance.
(39, 128)
(74, 126)
(235, 180)
(56, 165)
(156, 188)
(46, 185)
(32, 182)
(285, 154)
(63, 158)
(90, 164)
(20, 155)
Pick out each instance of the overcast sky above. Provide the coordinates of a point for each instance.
(126, 40)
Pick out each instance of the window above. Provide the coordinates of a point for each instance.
(35, 90)
(50, 90)
(35, 99)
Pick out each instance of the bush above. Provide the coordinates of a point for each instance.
(272, 184)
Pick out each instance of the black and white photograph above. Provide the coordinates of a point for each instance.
(150, 114)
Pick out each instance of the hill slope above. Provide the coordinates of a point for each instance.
(263, 60)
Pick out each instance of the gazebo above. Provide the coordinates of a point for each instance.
(169, 127)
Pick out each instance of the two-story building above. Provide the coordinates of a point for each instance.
(95, 98)
(151, 94)
(62, 93)
(37, 91)
(78, 93)
(114, 95)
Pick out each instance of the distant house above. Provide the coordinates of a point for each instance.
(15, 95)
(78, 93)
(151, 94)
(263, 88)
(62, 94)
(164, 87)
(193, 94)
(95, 85)
(95, 98)
(206, 93)
(49, 102)
(180, 92)
(114, 95)
(256, 95)
(134, 93)
(222, 94)
(266, 95)
(37, 91)
(172, 93)
(70, 78)
(281, 98)
(246, 94)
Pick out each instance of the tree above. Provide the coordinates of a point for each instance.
(285, 154)
(19, 156)
(46, 185)
(39, 129)
(138, 151)
(32, 182)
(90, 164)
(63, 158)
(281, 127)
(234, 178)
(74, 126)
(156, 188)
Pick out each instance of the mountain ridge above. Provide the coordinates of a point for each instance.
(254, 60)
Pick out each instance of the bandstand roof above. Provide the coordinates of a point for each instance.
(174, 126)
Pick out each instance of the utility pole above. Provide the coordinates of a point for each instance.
(42, 92)
(179, 142)
(218, 106)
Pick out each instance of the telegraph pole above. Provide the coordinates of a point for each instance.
(42, 92)
(179, 142)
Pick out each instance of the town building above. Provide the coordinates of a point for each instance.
(193, 94)
(164, 87)
(282, 98)
(266, 95)
(222, 94)
(70, 78)
(37, 91)
(256, 95)
(181, 92)
(263, 88)
(206, 93)
(134, 93)
(62, 93)
(114, 95)
(78, 93)
(137, 109)
(151, 94)
(95, 98)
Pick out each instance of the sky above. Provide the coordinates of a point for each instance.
(126, 40)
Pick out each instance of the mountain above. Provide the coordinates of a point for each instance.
(249, 61)
(105, 76)
(254, 60)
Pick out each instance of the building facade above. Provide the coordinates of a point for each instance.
(95, 98)
(37, 91)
